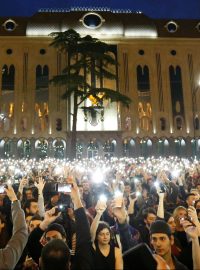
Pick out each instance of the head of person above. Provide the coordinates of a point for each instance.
(55, 255)
(149, 216)
(28, 193)
(54, 231)
(179, 212)
(34, 222)
(196, 193)
(54, 198)
(103, 233)
(31, 207)
(168, 217)
(127, 188)
(86, 185)
(145, 190)
(198, 187)
(190, 199)
(197, 205)
(161, 238)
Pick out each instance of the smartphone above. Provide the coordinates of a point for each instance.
(188, 219)
(2, 189)
(64, 188)
(118, 198)
(60, 208)
(139, 257)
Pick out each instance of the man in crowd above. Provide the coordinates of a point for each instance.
(162, 240)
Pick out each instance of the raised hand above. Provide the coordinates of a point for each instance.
(40, 185)
(10, 193)
(49, 217)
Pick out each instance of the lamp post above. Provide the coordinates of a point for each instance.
(194, 111)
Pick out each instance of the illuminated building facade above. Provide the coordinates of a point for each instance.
(159, 69)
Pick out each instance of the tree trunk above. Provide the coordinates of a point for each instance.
(73, 136)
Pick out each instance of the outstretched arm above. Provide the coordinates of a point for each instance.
(193, 231)
(10, 255)
(100, 208)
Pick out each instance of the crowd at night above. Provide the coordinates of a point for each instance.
(100, 213)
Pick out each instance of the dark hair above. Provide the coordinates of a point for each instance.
(188, 195)
(147, 211)
(167, 216)
(36, 217)
(55, 255)
(56, 227)
(102, 225)
(145, 186)
(160, 226)
(196, 202)
(28, 203)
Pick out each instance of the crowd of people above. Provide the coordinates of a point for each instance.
(95, 214)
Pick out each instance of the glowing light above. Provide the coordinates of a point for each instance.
(140, 33)
(103, 198)
(138, 193)
(98, 176)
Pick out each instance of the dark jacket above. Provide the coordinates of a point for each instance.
(178, 265)
(83, 258)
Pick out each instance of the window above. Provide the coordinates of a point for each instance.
(171, 27)
(8, 78)
(58, 124)
(92, 20)
(179, 123)
(42, 77)
(143, 83)
(162, 123)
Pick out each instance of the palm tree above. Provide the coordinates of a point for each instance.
(86, 57)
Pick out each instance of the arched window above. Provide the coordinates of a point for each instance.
(8, 78)
(196, 123)
(41, 147)
(59, 148)
(92, 149)
(143, 83)
(176, 91)
(109, 148)
(162, 123)
(42, 77)
(58, 124)
(179, 123)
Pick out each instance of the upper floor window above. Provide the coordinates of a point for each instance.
(8, 77)
(42, 77)
(143, 83)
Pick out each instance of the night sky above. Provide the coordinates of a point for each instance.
(187, 9)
